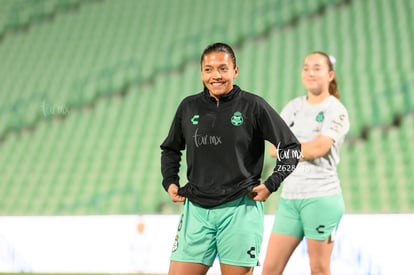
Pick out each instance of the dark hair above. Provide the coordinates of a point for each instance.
(219, 47)
(333, 85)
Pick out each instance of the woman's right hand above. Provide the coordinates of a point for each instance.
(173, 192)
(260, 193)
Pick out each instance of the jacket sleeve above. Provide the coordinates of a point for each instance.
(276, 131)
(171, 152)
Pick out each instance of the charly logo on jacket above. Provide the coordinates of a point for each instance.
(237, 119)
(194, 119)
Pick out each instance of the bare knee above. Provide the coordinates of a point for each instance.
(273, 267)
(319, 267)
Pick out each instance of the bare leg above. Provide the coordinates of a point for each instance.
(320, 256)
(235, 270)
(279, 250)
(184, 268)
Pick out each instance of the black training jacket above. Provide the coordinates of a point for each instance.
(224, 144)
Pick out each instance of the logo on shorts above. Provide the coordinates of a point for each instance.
(320, 228)
(175, 244)
(251, 252)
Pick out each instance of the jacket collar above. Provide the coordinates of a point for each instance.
(236, 90)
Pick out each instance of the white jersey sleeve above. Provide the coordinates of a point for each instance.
(336, 124)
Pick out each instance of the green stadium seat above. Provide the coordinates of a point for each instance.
(120, 95)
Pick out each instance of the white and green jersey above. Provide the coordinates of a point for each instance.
(318, 177)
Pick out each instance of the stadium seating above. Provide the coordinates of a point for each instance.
(88, 96)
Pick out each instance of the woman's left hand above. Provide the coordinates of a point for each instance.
(259, 193)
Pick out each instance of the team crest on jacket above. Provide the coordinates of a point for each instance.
(320, 117)
(237, 119)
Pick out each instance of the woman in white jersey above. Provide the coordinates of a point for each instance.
(311, 203)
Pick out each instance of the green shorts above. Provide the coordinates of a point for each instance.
(315, 218)
(232, 232)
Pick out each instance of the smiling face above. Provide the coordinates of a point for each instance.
(316, 75)
(218, 73)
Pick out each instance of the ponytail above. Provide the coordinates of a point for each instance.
(333, 88)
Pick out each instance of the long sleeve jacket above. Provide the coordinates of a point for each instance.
(224, 143)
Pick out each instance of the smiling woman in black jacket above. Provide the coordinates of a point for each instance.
(223, 130)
